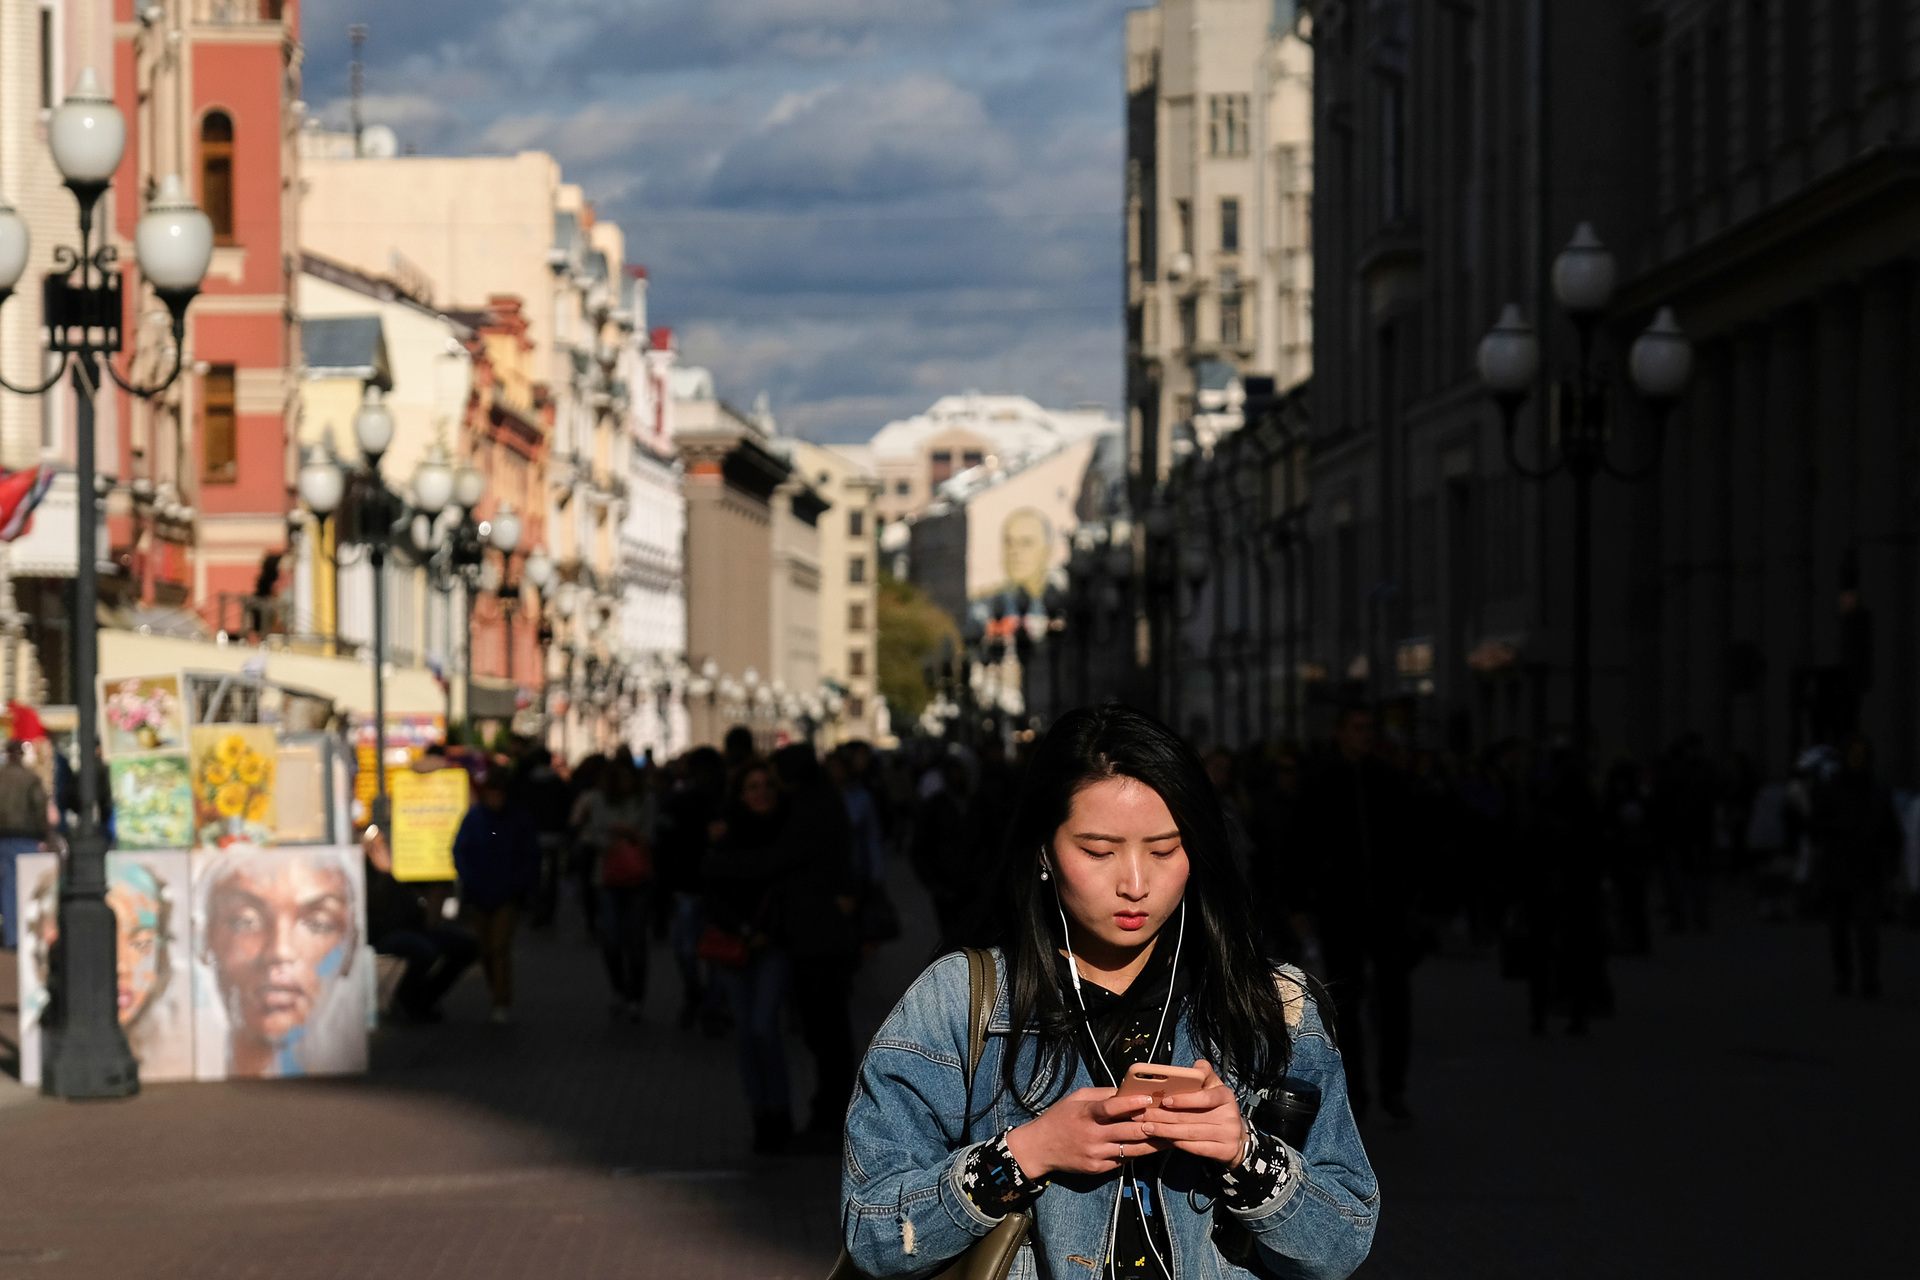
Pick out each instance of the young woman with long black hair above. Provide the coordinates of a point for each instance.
(1123, 935)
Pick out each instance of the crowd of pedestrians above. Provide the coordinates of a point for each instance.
(764, 876)
(763, 873)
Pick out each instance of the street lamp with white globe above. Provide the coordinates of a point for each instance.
(85, 1053)
(1659, 367)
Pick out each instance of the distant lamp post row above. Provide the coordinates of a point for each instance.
(86, 1053)
(1659, 367)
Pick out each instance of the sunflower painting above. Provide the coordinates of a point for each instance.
(233, 784)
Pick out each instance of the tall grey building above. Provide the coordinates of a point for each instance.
(1753, 164)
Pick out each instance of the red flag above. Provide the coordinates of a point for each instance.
(20, 492)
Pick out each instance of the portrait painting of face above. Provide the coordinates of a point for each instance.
(278, 987)
(1026, 550)
(147, 892)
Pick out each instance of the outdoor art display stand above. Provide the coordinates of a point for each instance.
(240, 902)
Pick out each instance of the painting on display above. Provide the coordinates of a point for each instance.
(280, 964)
(149, 896)
(233, 785)
(142, 714)
(152, 802)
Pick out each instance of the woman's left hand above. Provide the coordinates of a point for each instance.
(1205, 1123)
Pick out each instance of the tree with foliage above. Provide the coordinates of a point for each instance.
(911, 626)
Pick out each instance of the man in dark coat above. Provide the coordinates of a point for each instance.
(811, 916)
(1856, 835)
(1355, 850)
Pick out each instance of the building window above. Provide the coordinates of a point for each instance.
(902, 488)
(971, 458)
(856, 524)
(856, 617)
(1227, 124)
(1230, 310)
(1230, 226)
(1189, 323)
(1185, 212)
(856, 662)
(856, 707)
(942, 469)
(216, 173)
(857, 569)
(219, 427)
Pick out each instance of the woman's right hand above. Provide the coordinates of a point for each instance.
(1088, 1131)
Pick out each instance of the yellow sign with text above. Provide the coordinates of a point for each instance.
(427, 811)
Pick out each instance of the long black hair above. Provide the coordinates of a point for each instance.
(1234, 1005)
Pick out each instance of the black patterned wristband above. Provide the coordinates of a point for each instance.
(995, 1182)
(1258, 1177)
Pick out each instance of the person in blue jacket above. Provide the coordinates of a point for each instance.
(1123, 934)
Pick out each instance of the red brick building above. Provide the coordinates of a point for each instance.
(206, 476)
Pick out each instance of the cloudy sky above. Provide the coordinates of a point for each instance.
(854, 205)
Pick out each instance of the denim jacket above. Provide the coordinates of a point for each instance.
(904, 1211)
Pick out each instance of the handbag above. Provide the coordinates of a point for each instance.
(723, 947)
(991, 1256)
(627, 862)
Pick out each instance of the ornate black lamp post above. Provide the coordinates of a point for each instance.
(1659, 366)
(86, 1054)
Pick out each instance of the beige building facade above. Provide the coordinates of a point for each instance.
(1218, 192)
(913, 457)
(849, 597)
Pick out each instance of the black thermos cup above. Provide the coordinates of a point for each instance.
(1288, 1111)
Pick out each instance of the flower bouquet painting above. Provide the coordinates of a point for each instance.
(143, 714)
(153, 802)
(233, 780)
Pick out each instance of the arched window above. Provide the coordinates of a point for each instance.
(216, 173)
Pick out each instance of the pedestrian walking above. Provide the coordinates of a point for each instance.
(23, 827)
(539, 788)
(1856, 834)
(616, 830)
(1354, 838)
(1122, 936)
(735, 938)
(497, 854)
(694, 805)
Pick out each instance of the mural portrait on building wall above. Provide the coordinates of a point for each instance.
(278, 989)
(147, 892)
(1026, 550)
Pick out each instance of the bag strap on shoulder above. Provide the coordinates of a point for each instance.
(983, 981)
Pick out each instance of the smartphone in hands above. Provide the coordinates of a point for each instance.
(1161, 1082)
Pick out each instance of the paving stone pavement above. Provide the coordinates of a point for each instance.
(1733, 1120)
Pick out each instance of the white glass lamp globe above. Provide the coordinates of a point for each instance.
(469, 485)
(1583, 273)
(86, 133)
(750, 678)
(174, 241)
(540, 571)
(506, 529)
(373, 423)
(1661, 361)
(322, 483)
(425, 530)
(16, 243)
(710, 670)
(1509, 355)
(433, 482)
